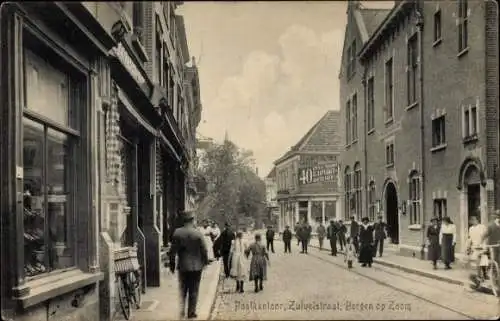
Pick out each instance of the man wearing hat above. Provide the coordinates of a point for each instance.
(189, 246)
(226, 238)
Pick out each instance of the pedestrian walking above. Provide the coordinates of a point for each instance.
(305, 236)
(366, 243)
(321, 231)
(447, 240)
(239, 261)
(189, 247)
(350, 252)
(473, 244)
(342, 230)
(258, 263)
(270, 238)
(433, 249)
(332, 236)
(380, 235)
(296, 230)
(206, 230)
(226, 239)
(354, 233)
(287, 239)
(492, 236)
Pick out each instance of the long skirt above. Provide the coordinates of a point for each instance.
(366, 254)
(238, 266)
(433, 252)
(258, 268)
(447, 248)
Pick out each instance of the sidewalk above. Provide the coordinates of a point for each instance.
(457, 275)
(162, 303)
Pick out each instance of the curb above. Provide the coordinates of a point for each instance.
(205, 308)
(415, 271)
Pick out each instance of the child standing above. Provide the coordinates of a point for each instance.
(258, 264)
(350, 252)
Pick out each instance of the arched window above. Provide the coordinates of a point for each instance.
(372, 200)
(357, 191)
(414, 186)
(347, 191)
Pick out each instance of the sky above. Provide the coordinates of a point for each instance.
(268, 70)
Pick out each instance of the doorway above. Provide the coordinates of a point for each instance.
(391, 209)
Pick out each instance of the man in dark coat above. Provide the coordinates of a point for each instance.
(380, 235)
(341, 234)
(225, 240)
(305, 236)
(287, 239)
(331, 234)
(321, 231)
(270, 238)
(297, 229)
(354, 233)
(189, 246)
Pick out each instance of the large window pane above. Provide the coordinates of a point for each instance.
(330, 207)
(59, 173)
(34, 214)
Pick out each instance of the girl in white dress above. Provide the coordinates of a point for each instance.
(238, 261)
(207, 235)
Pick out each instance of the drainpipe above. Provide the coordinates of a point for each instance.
(365, 136)
(420, 26)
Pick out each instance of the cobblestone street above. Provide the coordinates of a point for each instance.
(318, 286)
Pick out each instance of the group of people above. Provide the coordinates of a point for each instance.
(194, 248)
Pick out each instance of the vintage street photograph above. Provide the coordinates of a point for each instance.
(249, 160)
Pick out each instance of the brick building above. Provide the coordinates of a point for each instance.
(96, 149)
(272, 209)
(307, 175)
(419, 97)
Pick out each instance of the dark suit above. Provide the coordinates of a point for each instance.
(305, 236)
(331, 234)
(287, 239)
(379, 228)
(354, 233)
(189, 246)
(226, 238)
(270, 240)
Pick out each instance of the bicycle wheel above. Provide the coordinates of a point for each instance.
(135, 288)
(494, 278)
(123, 296)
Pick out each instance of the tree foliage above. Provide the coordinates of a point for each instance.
(238, 192)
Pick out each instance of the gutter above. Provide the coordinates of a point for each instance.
(420, 26)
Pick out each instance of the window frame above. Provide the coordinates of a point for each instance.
(348, 123)
(351, 60)
(462, 26)
(372, 200)
(158, 38)
(347, 192)
(357, 190)
(470, 126)
(412, 70)
(415, 198)
(354, 118)
(439, 131)
(389, 90)
(371, 103)
(76, 130)
(389, 154)
(438, 27)
(440, 208)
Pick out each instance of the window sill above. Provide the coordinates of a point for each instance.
(43, 289)
(389, 165)
(463, 52)
(437, 42)
(412, 105)
(415, 227)
(371, 131)
(389, 121)
(354, 142)
(470, 139)
(438, 147)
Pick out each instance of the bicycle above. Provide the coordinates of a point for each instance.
(493, 270)
(128, 280)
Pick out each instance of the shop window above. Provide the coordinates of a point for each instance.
(440, 209)
(414, 198)
(50, 146)
(438, 131)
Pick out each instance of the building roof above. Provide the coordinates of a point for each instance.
(323, 137)
(272, 173)
(372, 18)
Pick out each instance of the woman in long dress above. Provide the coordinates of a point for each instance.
(207, 235)
(433, 249)
(365, 243)
(238, 261)
(258, 264)
(447, 240)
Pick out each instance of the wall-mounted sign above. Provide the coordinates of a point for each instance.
(325, 172)
(127, 61)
